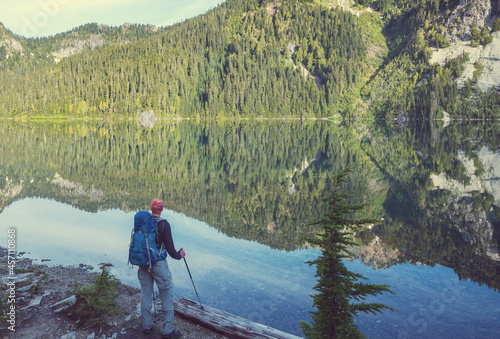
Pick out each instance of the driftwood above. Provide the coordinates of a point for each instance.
(228, 324)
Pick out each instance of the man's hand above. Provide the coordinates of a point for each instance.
(182, 253)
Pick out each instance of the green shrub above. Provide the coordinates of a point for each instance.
(475, 33)
(95, 302)
(4, 308)
(438, 198)
(486, 38)
(479, 167)
(488, 200)
(496, 25)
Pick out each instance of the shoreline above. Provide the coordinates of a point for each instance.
(334, 118)
(36, 288)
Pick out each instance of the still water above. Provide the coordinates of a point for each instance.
(240, 197)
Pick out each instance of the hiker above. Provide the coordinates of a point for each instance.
(159, 273)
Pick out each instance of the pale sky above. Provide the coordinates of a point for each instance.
(39, 18)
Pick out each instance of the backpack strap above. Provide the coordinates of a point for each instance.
(159, 234)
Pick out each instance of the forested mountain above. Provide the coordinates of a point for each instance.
(257, 181)
(17, 51)
(251, 58)
(263, 181)
(411, 83)
(234, 60)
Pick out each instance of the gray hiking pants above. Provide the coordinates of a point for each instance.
(160, 273)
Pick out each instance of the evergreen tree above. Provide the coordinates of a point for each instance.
(3, 52)
(486, 38)
(475, 33)
(496, 25)
(337, 286)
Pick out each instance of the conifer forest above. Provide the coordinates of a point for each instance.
(241, 119)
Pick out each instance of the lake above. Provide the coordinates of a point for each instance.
(241, 195)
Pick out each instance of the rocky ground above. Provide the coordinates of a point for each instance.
(488, 56)
(486, 182)
(39, 287)
(457, 28)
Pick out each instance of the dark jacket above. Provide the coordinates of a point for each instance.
(164, 235)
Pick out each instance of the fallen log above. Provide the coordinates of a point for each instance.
(226, 323)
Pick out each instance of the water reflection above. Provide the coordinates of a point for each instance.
(256, 186)
(239, 276)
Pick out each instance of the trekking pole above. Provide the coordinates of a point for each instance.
(154, 303)
(192, 281)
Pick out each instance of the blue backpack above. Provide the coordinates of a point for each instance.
(143, 250)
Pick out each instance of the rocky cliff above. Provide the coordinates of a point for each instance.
(8, 44)
(86, 37)
(457, 27)
(472, 224)
(459, 23)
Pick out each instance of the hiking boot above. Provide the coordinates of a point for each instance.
(146, 330)
(172, 335)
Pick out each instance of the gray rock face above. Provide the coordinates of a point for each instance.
(474, 226)
(459, 23)
(74, 46)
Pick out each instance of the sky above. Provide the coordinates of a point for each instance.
(39, 18)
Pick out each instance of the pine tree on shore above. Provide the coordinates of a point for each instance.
(340, 294)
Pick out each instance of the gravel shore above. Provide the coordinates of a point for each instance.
(38, 287)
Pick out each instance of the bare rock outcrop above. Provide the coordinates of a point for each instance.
(11, 46)
(74, 46)
(467, 14)
(376, 254)
(146, 119)
(473, 225)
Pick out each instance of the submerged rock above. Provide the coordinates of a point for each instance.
(401, 119)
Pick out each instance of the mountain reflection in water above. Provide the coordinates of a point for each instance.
(242, 195)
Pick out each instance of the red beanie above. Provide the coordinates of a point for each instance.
(156, 206)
